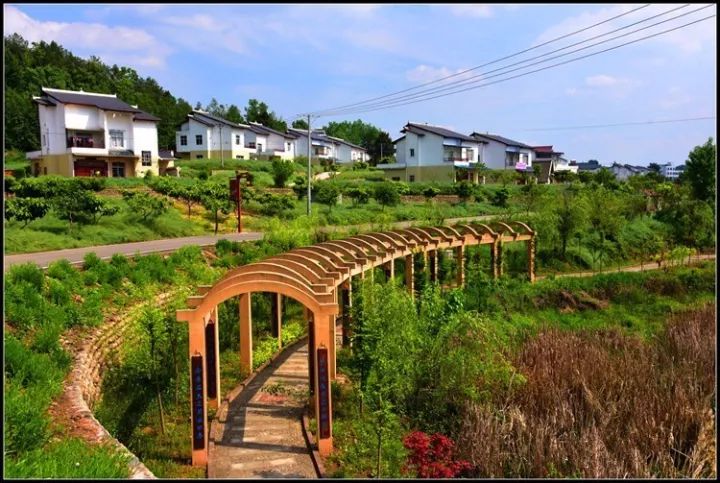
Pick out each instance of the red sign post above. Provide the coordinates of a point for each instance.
(236, 193)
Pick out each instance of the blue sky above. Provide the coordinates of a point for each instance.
(303, 57)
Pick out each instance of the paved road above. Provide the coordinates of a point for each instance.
(633, 268)
(261, 436)
(75, 255)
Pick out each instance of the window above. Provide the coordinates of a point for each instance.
(146, 158)
(118, 169)
(44, 169)
(412, 178)
(239, 156)
(43, 140)
(198, 156)
(237, 139)
(183, 140)
(198, 139)
(412, 153)
(259, 147)
(289, 147)
(117, 138)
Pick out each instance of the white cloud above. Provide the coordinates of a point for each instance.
(688, 40)
(425, 73)
(201, 21)
(112, 44)
(675, 97)
(470, 10)
(604, 80)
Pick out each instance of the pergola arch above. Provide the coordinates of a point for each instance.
(318, 277)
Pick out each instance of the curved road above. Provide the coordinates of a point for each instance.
(76, 255)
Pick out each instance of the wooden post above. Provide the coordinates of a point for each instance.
(460, 261)
(531, 259)
(312, 336)
(212, 363)
(410, 274)
(389, 268)
(276, 314)
(434, 266)
(198, 392)
(494, 255)
(323, 408)
(332, 352)
(246, 332)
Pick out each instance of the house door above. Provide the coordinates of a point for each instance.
(90, 167)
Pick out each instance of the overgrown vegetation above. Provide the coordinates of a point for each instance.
(483, 367)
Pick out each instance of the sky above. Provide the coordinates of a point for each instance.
(307, 57)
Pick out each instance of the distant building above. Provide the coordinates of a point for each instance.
(433, 153)
(327, 147)
(92, 134)
(671, 172)
(591, 166)
(546, 160)
(563, 164)
(504, 153)
(623, 171)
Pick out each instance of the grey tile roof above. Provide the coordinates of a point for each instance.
(346, 142)
(212, 120)
(101, 101)
(166, 154)
(500, 139)
(260, 129)
(440, 131)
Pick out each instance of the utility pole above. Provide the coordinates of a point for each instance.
(309, 176)
(222, 153)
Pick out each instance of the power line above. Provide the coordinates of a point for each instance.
(619, 124)
(360, 110)
(483, 65)
(484, 75)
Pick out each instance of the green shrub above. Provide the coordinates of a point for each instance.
(26, 272)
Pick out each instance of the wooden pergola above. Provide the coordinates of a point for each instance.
(319, 277)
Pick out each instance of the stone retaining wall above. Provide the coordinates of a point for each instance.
(98, 350)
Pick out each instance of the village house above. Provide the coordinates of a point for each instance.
(94, 134)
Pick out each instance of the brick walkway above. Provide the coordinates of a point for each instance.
(261, 437)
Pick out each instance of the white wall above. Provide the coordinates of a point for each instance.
(146, 139)
(87, 118)
(400, 150)
(191, 128)
(52, 126)
(430, 150)
(121, 121)
(495, 155)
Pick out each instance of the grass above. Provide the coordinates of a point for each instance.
(69, 459)
(52, 233)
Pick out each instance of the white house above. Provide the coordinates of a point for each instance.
(269, 142)
(434, 153)
(504, 153)
(93, 134)
(347, 152)
(623, 171)
(203, 135)
(671, 172)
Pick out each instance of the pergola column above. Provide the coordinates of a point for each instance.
(198, 391)
(311, 349)
(276, 315)
(332, 342)
(212, 352)
(460, 261)
(322, 393)
(531, 258)
(494, 255)
(389, 268)
(410, 274)
(433, 255)
(500, 260)
(246, 361)
(346, 308)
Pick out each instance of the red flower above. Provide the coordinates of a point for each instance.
(432, 456)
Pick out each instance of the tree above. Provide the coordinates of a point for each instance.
(145, 205)
(700, 171)
(327, 193)
(79, 205)
(233, 114)
(605, 177)
(500, 197)
(430, 192)
(571, 217)
(257, 111)
(463, 190)
(191, 195)
(216, 200)
(300, 187)
(300, 124)
(359, 195)
(654, 167)
(281, 171)
(215, 108)
(531, 195)
(386, 194)
(25, 209)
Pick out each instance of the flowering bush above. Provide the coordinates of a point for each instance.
(432, 456)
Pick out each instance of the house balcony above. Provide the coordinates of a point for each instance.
(251, 145)
(452, 159)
